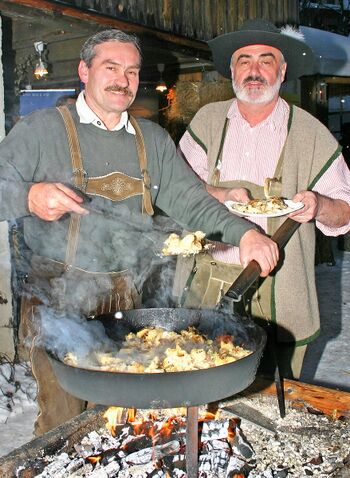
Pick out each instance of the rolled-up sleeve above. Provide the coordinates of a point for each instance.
(335, 183)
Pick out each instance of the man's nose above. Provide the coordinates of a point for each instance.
(122, 78)
(255, 68)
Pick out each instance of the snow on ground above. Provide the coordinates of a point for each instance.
(18, 407)
(327, 361)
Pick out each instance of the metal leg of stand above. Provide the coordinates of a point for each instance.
(272, 344)
(192, 442)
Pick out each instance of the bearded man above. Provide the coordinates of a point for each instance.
(241, 142)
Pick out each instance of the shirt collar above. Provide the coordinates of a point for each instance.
(274, 118)
(87, 116)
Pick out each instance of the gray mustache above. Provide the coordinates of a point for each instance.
(119, 89)
(255, 78)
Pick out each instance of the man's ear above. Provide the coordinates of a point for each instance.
(83, 71)
(283, 71)
(231, 67)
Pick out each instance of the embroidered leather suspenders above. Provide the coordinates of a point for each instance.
(115, 186)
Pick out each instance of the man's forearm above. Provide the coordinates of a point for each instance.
(228, 194)
(216, 192)
(13, 199)
(332, 212)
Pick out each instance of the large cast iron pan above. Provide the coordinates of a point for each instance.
(167, 390)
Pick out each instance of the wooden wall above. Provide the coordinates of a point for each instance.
(200, 19)
(172, 32)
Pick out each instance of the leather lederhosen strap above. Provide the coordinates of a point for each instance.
(117, 288)
(79, 178)
(111, 186)
(141, 152)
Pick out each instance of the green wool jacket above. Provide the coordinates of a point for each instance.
(308, 152)
(36, 150)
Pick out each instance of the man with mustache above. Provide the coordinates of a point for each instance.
(241, 142)
(89, 264)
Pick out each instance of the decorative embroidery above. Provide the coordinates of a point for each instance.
(117, 186)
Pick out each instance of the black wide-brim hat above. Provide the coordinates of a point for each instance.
(299, 56)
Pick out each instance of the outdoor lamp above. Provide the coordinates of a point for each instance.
(40, 67)
(161, 86)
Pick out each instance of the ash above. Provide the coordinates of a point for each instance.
(305, 443)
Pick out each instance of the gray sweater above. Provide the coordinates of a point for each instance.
(36, 150)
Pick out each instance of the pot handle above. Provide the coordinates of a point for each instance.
(251, 273)
(246, 278)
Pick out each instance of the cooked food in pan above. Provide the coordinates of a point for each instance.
(262, 206)
(156, 350)
(189, 245)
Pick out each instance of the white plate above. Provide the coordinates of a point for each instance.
(292, 206)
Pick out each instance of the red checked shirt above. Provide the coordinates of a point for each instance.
(241, 160)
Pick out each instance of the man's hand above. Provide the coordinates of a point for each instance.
(225, 194)
(310, 209)
(256, 246)
(50, 201)
(330, 212)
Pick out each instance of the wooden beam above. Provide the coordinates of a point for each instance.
(63, 11)
(331, 402)
(337, 80)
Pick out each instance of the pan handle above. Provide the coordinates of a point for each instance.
(285, 232)
(246, 278)
(251, 273)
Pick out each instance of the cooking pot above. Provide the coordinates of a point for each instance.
(174, 389)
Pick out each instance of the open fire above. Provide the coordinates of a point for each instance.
(260, 444)
(155, 446)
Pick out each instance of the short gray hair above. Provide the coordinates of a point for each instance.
(88, 53)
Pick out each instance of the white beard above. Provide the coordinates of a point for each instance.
(265, 96)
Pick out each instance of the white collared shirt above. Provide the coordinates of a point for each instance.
(87, 116)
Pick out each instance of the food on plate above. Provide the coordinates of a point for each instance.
(156, 350)
(189, 245)
(262, 206)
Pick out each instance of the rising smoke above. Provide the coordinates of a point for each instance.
(134, 240)
(61, 333)
(119, 240)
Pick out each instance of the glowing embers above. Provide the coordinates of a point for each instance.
(154, 445)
